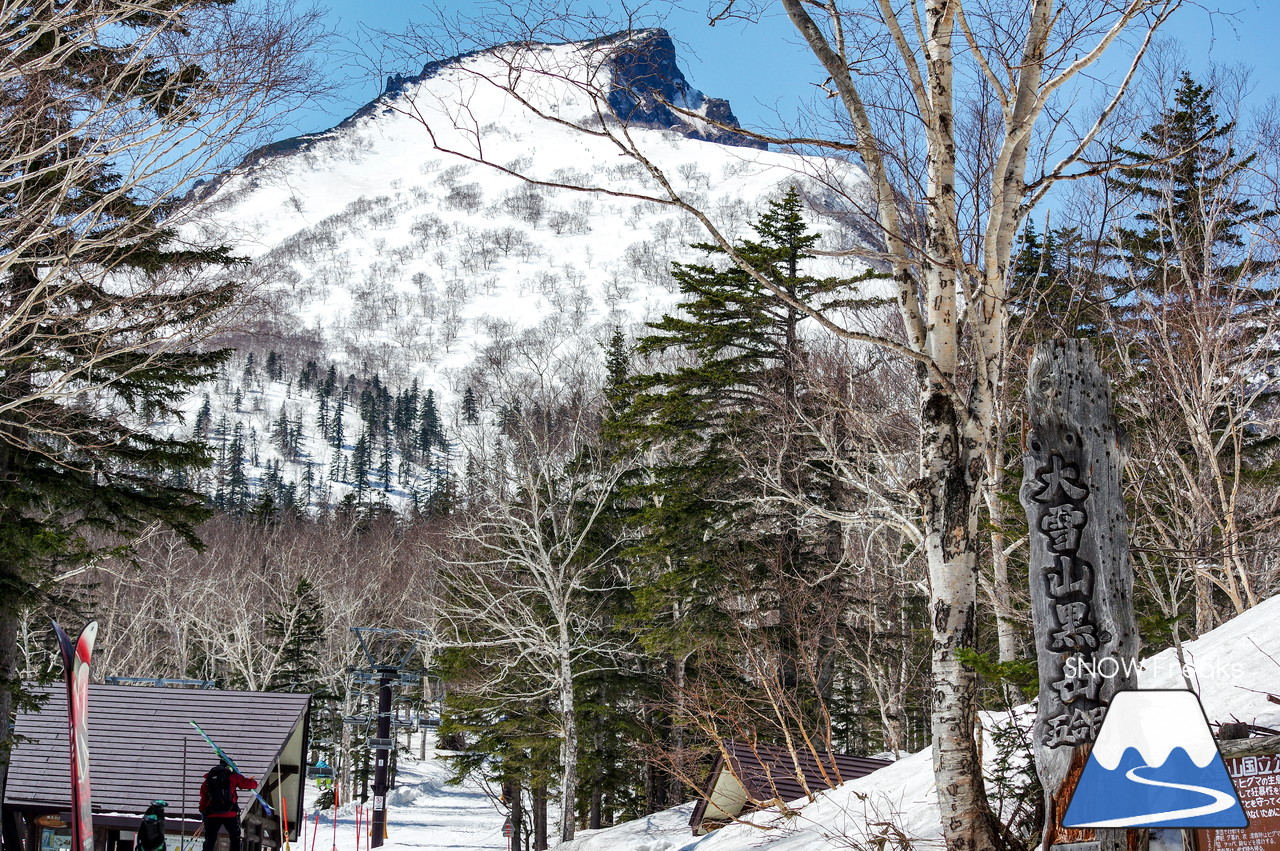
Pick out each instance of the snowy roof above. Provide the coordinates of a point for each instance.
(142, 745)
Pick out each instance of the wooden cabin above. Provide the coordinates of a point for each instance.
(143, 747)
(756, 776)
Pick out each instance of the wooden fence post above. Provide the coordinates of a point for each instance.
(1081, 581)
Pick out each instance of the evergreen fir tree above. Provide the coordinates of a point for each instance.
(384, 460)
(308, 483)
(361, 460)
(1188, 230)
(430, 432)
(200, 427)
(237, 481)
(336, 423)
(307, 376)
(297, 629)
(617, 365)
(470, 407)
(282, 433)
(740, 361)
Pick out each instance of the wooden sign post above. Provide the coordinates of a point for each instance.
(1081, 582)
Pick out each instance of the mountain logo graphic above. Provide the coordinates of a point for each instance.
(1155, 764)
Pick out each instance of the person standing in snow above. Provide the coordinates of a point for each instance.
(151, 831)
(219, 806)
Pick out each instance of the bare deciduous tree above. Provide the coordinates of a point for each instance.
(527, 590)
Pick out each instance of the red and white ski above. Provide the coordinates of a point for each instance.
(75, 665)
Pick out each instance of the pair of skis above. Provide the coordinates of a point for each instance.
(229, 761)
(76, 656)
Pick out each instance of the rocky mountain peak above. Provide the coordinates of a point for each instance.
(647, 83)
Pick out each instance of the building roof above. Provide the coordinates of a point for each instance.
(767, 773)
(142, 745)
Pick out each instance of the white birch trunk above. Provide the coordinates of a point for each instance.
(568, 748)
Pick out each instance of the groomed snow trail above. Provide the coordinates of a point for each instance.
(423, 811)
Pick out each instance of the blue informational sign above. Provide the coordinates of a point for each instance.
(1155, 764)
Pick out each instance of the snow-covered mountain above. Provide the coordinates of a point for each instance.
(378, 254)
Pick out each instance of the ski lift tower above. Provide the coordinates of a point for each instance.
(394, 658)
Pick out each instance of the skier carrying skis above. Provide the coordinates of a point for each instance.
(151, 831)
(219, 806)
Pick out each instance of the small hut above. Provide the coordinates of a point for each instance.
(756, 775)
(142, 747)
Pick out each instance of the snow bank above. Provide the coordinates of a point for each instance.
(662, 831)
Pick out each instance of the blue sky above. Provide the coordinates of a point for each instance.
(761, 68)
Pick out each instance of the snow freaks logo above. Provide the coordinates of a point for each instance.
(1109, 667)
(1155, 764)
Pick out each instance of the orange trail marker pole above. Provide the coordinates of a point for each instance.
(284, 820)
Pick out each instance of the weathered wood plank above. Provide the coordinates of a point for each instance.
(1081, 580)
(1260, 746)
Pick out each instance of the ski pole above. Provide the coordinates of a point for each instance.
(182, 841)
(231, 762)
(315, 829)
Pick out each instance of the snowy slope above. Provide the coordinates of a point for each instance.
(423, 811)
(1233, 665)
(377, 253)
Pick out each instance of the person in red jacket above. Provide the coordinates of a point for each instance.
(219, 806)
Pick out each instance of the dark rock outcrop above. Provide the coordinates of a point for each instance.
(647, 83)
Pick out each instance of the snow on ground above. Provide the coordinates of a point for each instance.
(423, 811)
(658, 832)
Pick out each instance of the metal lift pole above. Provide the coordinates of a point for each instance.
(382, 755)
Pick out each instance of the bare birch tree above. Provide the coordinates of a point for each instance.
(947, 203)
(527, 590)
